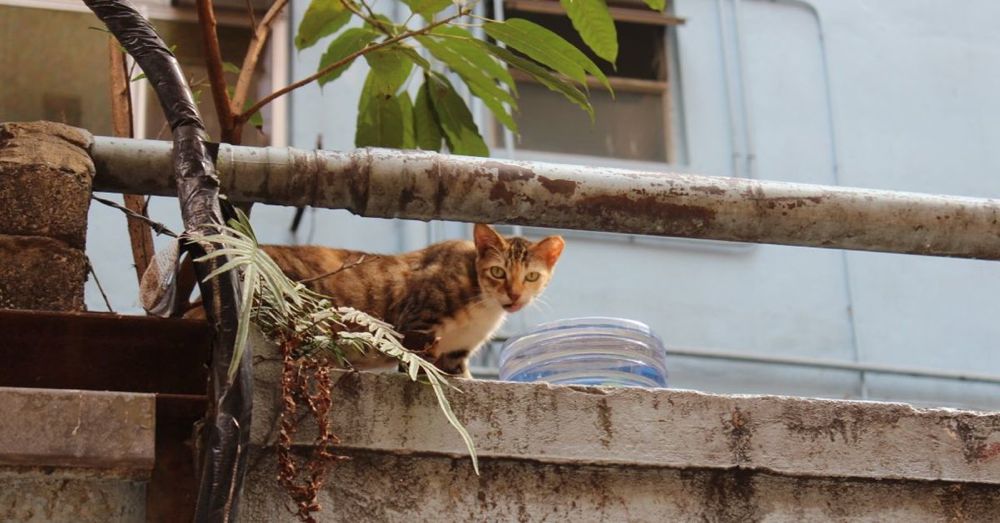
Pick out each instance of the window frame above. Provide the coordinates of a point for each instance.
(504, 145)
(276, 57)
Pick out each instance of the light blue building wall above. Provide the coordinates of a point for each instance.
(890, 94)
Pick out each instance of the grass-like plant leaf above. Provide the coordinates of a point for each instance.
(283, 310)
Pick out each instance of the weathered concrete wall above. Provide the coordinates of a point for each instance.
(45, 181)
(559, 453)
(379, 486)
(60, 495)
(69, 455)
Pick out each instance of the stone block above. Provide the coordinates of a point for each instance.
(45, 181)
(41, 273)
(59, 495)
(112, 432)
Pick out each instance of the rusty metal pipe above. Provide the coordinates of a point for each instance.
(428, 186)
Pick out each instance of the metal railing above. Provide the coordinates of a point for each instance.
(428, 186)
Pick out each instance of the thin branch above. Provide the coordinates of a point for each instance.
(253, 17)
(371, 18)
(107, 302)
(256, 47)
(139, 234)
(353, 264)
(156, 226)
(346, 60)
(216, 74)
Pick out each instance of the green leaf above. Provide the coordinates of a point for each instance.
(657, 5)
(591, 19)
(426, 129)
(257, 120)
(414, 56)
(406, 112)
(380, 117)
(390, 67)
(460, 130)
(247, 290)
(543, 76)
(385, 23)
(465, 45)
(478, 69)
(546, 47)
(230, 67)
(322, 18)
(347, 43)
(427, 8)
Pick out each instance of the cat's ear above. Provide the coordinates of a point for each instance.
(486, 238)
(549, 249)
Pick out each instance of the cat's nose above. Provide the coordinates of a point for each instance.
(514, 297)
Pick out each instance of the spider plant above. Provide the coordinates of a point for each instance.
(286, 310)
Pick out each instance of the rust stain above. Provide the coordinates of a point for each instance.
(740, 435)
(988, 452)
(973, 437)
(690, 217)
(509, 173)
(406, 197)
(604, 421)
(564, 187)
(505, 174)
(709, 189)
(500, 192)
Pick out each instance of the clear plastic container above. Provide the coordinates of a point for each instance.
(587, 351)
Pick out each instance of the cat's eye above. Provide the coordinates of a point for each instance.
(497, 272)
(531, 276)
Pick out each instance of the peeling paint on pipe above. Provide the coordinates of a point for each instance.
(428, 186)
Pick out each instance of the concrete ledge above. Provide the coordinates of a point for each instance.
(656, 428)
(112, 432)
(375, 486)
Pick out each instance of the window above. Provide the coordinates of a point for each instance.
(637, 124)
(54, 66)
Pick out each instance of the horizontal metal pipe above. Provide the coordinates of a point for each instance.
(428, 186)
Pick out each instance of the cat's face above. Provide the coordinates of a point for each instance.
(513, 271)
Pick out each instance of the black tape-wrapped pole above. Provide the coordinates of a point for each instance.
(227, 428)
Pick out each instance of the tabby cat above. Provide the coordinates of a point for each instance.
(447, 299)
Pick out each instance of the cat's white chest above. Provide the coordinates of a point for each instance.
(469, 328)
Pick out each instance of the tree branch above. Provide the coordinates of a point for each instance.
(216, 74)
(257, 42)
(139, 234)
(346, 60)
